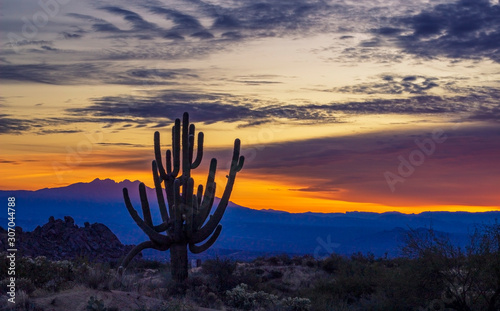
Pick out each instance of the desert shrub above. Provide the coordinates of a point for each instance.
(279, 260)
(260, 261)
(143, 264)
(94, 304)
(95, 277)
(304, 260)
(220, 271)
(26, 285)
(171, 305)
(333, 263)
(240, 297)
(296, 304)
(360, 257)
(275, 274)
(128, 282)
(46, 274)
(22, 284)
(297, 260)
(309, 261)
(22, 300)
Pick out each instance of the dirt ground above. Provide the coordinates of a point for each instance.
(76, 299)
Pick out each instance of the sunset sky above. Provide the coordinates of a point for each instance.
(340, 105)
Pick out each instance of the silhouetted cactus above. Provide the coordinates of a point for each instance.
(185, 213)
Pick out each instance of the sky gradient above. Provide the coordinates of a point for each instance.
(340, 105)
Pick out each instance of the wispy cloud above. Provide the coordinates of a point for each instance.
(392, 84)
(463, 29)
(224, 107)
(459, 172)
(90, 73)
(9, 125)
(158, 109)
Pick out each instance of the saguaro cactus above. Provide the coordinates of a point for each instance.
(185, 213)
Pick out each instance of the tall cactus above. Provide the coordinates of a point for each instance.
(185, 213)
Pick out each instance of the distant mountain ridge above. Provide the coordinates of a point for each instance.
(245, 231)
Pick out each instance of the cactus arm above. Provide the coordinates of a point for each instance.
(146, 211)
(199, 194)
(164, 226)
(157, 147)
(168, 160)
(169, 190)
(236, 166)
(190, 217)
(199, 152)
(209, 191)
(208, 199)
(150, 232)
(176, 147)
(195, 249)
(191, 143)
(206, 207)
(186, 164)
(136, 250)
(196, 207)
(139, 248)
(159, 193)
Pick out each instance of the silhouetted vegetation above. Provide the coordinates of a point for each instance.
(433, 274)
(185, 212)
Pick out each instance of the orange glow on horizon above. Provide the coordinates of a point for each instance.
(250, 190)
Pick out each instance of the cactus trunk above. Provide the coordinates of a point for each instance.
(179, 261)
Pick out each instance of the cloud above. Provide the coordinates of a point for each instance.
(392, 84)
(31, 42)
(2, 161)
(132, 31)
(10, 125)
(314, 189)
(459, 171)
(137, 22)
(202, 35)
(66, 124)
(56, 131)
(465, 29)
(203, 107)
(207, 108)
(17, 126)
(92, 73)
(184, 23)
(140, 28)
(124, 145)
(50, 74)
(156, 107)
(67, 35)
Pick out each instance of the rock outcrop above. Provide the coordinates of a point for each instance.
(62, 239)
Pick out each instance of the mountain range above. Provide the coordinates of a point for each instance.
(246, 232)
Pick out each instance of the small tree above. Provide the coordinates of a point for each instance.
(468, 279)
(185, 213)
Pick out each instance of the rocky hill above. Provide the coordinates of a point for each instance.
(62, 239)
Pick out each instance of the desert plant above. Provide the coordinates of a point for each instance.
(185, 214)
(240, 297)
(470, 278)
(96, 277)
(220, 272)
(94, 304)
